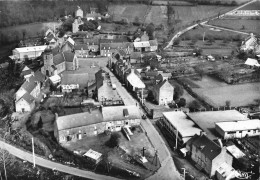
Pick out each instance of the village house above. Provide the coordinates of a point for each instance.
(81, 50)
(142, 46)
(93, 15)
(153, 45)
(207, 155)
(75, 25)
(57, 63)
(94, 122)
(68, 45)
(252, 62)
(249, 43)
(29, 91)
(72, 82)
(106, 90)
(79, 12)
(163, 92)
(144, 37)
(26, 53)
(178, 124)
(93, 44)
(162, 76)
(107, 49)
(238, 129)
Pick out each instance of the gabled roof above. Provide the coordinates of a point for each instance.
(117, 113)
(162, 83)
(252, 62)
(207, 147)
(39, 76)
(135, 55)
(135, 81)
(29, 84)
(116, 45)
(27, 97)
(67, 56)
(239, 125)
(71, 41)
(79, 120)
(58, 58)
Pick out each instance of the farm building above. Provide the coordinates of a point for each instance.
(93, 156)
(207, 155)
(163, 92)
(28, 52)
(206, 120)
(106, 90)
(238, 129)
(113, 118)
(177, 123)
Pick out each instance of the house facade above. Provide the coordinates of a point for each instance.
(238, 129)
(68, 45)
(163, 92)
(107, 49)
(94, 122)
(24, 53)
(207, 155)
(75, 25)
(81, 50)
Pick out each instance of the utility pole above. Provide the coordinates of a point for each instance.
(176, 141)
(143, 150)
(33, 153)
(203, 36)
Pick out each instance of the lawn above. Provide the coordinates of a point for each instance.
(244, 25)
(239, 95)
(129, 12)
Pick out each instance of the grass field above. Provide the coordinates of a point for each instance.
(252, 6)
(250, 26)
(188, 14)
(157, 15)
(217, 93)
(31, 29)
(128, 12)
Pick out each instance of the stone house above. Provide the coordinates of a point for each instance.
(81, 50)
(57, 63)
(113, 118)
(75, 25)
(163, 92)
(79, 12)
(207, 155)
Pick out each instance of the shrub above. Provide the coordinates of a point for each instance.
(114, 140)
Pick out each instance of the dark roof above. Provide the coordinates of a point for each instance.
(121, 52)
(117, 40)
(28, 98)
(69, 56)
(24, 73)
(58, 58)
(29, 84)
(39, 76)
(91, 41)
(151, 73)
(135, 55)
(81, 46)
(153, 43)
(207, 147)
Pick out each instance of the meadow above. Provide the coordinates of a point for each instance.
(252, 6)
(244, 25)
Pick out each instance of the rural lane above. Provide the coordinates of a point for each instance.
(51, 165)
(204, 23)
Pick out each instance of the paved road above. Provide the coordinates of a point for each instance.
(203, 23)
(50, 164)
(167, 170)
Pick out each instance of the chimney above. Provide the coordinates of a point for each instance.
(32, 73)
(132, 70)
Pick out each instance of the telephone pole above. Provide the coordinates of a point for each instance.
(33, 153)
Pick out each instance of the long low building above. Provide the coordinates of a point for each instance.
(238, 129)
(94, 122)
(177, 122)
(28, 52)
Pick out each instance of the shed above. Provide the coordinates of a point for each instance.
(94, 156)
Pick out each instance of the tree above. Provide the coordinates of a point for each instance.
(228, 103)
(198, 51)
(194, 105)
(114, 140)
(3, 108)
(199, 69)
(24, 32)
(87, 26)
(150, 30)
(182, 102)
(136, 21)
(177, 41)
(5, 160)
(178, 92)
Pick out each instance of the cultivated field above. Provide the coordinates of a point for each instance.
(244, 25)
(157, 15)
(217, 93)
(32, 30)
(188, 14)
(252, 6)
(129, 12)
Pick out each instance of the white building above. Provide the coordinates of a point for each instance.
(28, 52)
(238, 129)
(177, 122)
(94, 156)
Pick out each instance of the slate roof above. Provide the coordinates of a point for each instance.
(69, 56)
(81, 46)
(116, 113)
(57, 59)
(79, 120)
(28, 98)
(116, 45)
(63, 56)
(30, 84)
(206, 146)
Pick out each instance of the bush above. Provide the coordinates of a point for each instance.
(114, 140)
(178, 92)
(182, 102)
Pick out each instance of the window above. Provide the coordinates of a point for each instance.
(240, 131)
